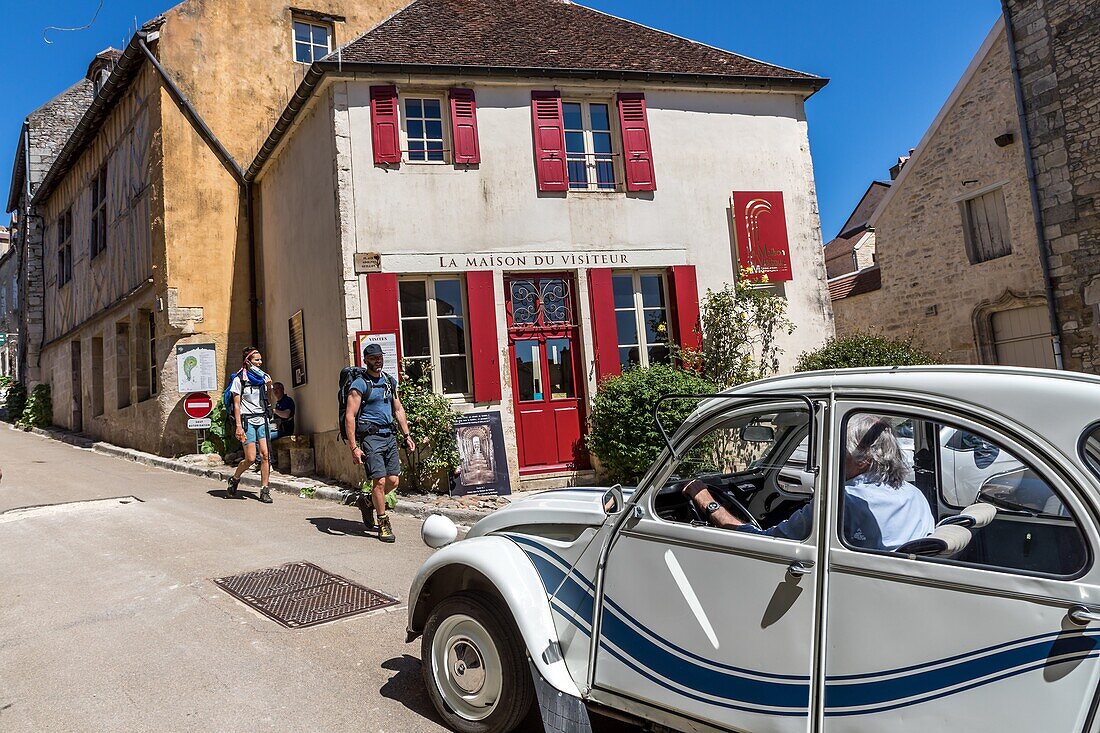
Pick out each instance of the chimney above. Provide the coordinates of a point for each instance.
(895, 170)
(101, 67)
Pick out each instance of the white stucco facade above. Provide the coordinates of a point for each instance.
(324, 200)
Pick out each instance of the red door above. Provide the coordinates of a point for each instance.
(547, 378)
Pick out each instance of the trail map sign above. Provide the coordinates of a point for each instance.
(196, 368)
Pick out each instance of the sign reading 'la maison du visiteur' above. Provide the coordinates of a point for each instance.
(529, 260)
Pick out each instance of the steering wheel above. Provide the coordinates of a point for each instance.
(723, 497)
(741, 510)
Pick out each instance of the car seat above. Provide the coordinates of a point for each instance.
(974, 516)
(945, 541)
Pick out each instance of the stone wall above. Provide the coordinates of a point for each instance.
(930, 289)
(1058, 54)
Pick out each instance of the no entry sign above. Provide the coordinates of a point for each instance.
(198, 405)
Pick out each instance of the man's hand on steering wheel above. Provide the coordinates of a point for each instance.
(704, 502)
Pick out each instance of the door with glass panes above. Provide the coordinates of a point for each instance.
(546, 387)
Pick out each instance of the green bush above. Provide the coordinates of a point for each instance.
(16, 401)
(622, 432)
(864, 349)
(218, 439)
(432, 426)
(38, 412)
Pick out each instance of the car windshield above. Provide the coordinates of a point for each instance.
(745, 444)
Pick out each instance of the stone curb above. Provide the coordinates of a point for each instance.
(277, 482)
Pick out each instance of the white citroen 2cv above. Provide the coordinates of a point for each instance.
(936, 568)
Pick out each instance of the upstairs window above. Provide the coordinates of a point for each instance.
(588, 146)
(312, 41)
(424, 130)
(985, 221)
(64, 248)
(99, 213)
(641, 318)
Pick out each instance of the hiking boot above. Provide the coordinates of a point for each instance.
(385, 531)
(233, 481)
(265, 495)
(366, 508)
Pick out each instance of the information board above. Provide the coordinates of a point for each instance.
(484, 467)
(388, 341)
(196, 368)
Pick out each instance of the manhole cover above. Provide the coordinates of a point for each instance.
(301, 594)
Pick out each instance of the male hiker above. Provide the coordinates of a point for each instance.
(372, 407)
(250, 390)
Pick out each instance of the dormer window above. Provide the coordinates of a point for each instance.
(312, 40)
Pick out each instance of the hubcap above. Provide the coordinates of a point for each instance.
(466, 667)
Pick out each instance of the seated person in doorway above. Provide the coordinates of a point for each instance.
(881, 510)
(284, 411)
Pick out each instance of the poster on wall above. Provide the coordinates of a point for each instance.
(763, 252)
(298, 374)
(484, 467)
(196, 368)
(388, 341)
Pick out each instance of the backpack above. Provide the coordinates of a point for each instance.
(347, 376)
(227, 402)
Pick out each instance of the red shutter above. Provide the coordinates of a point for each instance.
(484, 352)
(549, 128)
(685, 304)
(385, 125)
(382, 297)
(605, 331)
(464, 127)
(637, 149)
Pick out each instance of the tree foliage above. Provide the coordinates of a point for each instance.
(862, 349)
(221, 438)
(15, 401)
(38, 412)
(622, 432)
(432, 426)
(740, 324)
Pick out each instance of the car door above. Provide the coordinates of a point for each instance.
(711, 624)
(984, 640)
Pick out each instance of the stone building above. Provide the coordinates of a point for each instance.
(1057, 52)
(956, 244)
(853, 248)
(516, 195)
(137, 235)
(9, 304)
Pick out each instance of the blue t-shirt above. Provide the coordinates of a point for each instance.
(876, 516)
(377, 409)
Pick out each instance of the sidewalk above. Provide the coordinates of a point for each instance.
(462, 510)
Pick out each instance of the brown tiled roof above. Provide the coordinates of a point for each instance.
(838, 256)
(546, 35)
(866, 206)
(857, 283)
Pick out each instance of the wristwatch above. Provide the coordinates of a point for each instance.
(712, 507)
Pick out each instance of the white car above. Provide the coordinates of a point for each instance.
(631, 603)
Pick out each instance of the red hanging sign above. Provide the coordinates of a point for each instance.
(761, 226)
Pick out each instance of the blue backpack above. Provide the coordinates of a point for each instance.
(227, 400)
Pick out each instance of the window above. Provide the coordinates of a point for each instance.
(152, 331)
(921, 472)
(312, 41)
(985, 221)
(99, 213)
(122, 364)
(424, 129)
(97, 376)
(433, 333)
(64, 248)
(588, 146)
(641, 318)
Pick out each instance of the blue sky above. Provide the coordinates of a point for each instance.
(892, 64)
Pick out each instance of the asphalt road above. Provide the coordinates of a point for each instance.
(110, 621)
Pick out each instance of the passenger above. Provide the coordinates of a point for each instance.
(881, 510)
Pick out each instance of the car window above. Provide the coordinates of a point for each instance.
(950, 476)
(1090, 448)
(737, 465)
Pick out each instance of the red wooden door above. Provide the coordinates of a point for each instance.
(547, 378)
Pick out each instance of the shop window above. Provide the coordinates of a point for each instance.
(65, 248)
(312, 40)
(588, 146)
(434, 339)
(99, 213)
(985, 221)
(641, 318)
(425, 142)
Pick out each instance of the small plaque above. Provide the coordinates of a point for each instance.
(367, 262)
(198, 423)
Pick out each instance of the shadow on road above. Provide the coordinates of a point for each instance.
(407, 687)
(223, 494)
(336, 526)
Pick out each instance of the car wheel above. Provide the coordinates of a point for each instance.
(475, 665)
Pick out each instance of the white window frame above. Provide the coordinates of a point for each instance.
(311, 24)
(432, 317)
(591, 170)
(444, 123)
(639, 311)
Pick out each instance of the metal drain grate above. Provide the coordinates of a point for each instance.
(300, 594)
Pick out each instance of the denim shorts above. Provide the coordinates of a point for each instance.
(380, 456)
(256, 433)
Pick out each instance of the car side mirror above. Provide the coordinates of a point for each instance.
(757, 434)
(613, 500)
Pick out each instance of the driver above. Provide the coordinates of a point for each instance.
(881, 511)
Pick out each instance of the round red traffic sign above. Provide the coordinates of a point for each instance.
(198, 405)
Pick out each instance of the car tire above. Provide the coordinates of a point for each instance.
(475, 665)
